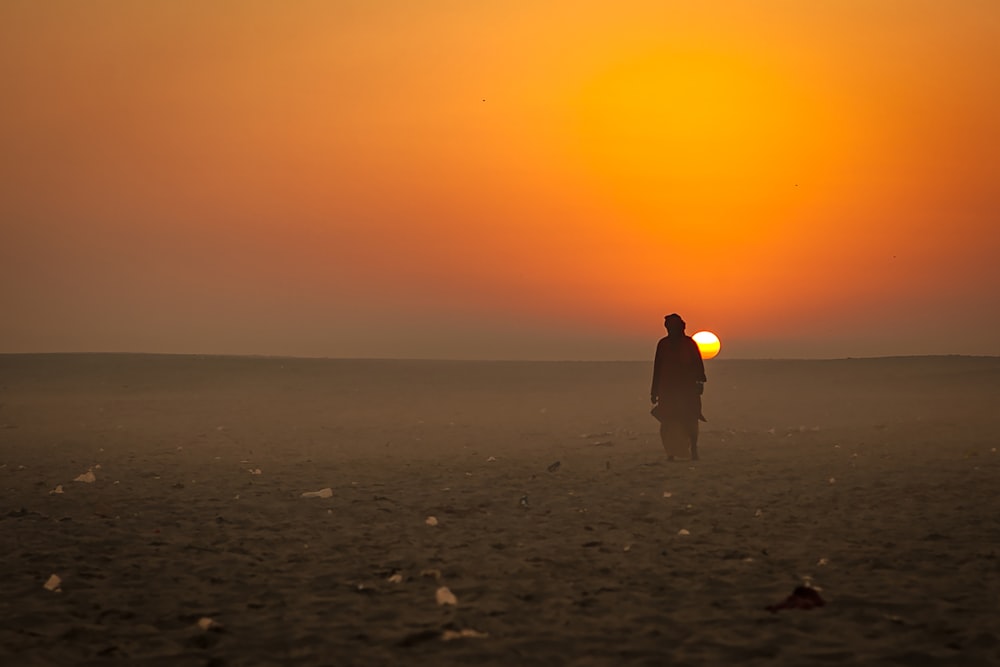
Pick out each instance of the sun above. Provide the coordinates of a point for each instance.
(708, 344)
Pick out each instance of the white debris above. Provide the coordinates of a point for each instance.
(87, 477)
(445, 596)
(396, 578)
(322, 493)
(254, 471)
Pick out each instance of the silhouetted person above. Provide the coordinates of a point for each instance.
(678, 376)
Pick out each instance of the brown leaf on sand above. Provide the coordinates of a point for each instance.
(445, 596)
(803, 597)
(87, 477)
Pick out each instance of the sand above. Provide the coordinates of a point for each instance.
(872, 481)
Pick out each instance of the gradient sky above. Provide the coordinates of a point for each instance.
(516, 179)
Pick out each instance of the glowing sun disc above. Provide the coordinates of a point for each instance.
(708, 344)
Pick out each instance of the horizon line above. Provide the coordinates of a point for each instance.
(938, 355)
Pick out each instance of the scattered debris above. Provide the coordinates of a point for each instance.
(53, 584)
(322, 493)
(667, 494)
(56, 490)
(395, 578)
(803, 597)
(254, 471)
(432, 572)
(758, 514)
(491, 459)
(449, 635)
(822, 561)
(206, 624)
(554, 466)
(524, 501)
(87, 477)
(431, 521)
(445, 596)
(683, 531)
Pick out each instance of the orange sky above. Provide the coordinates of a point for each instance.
(499, 179)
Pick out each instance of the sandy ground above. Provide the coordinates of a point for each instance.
(873, 481)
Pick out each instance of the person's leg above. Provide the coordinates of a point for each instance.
(665, 435)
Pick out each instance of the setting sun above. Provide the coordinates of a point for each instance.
(708, 344)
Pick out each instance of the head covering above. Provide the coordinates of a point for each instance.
(674, 323)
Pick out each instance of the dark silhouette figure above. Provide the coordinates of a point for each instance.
(678, 378)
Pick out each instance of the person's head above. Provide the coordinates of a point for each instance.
(674, 324)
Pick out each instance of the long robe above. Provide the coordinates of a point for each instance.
(677, 371)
